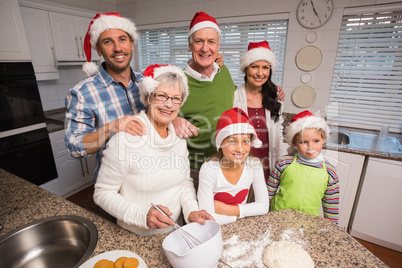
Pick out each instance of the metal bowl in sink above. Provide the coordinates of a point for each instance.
(60, 241)
(338, 138)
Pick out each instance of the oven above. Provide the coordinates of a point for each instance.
(25, 148)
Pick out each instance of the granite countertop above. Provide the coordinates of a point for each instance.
(244, 240)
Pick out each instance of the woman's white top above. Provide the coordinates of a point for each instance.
(139, 170)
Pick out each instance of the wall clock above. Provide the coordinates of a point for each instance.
(312, 14)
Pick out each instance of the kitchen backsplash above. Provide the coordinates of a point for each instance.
(53, 92)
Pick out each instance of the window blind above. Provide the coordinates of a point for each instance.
(170, 45)
(366, 89)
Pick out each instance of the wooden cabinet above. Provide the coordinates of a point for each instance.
(74, 174)
(69, 32)
(13, 41)
(349, 167)
(41, 45)
(378, 216)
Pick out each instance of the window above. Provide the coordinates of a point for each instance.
(366, 87)
(170, 45)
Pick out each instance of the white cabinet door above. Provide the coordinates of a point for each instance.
(13, 41)
(70, 173)
(66, 38)
(69, 33)
(41, 46)
(82, 28)
(378, 217)
(89, 164)
(349, 168)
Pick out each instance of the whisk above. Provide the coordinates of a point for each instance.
(191, 241)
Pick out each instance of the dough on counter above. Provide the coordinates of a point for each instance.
(285, 254)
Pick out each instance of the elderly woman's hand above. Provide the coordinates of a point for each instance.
(156, 220)
(200, 216)
(183, 128)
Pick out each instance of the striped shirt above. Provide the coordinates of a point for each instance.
(94, 102)
(330, 201)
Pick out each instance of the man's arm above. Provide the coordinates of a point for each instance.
(93, 141)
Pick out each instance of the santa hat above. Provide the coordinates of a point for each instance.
(100, 23)
(148, 83)
(235, 121)
(256, 52)
(302, 121)
(203, 20)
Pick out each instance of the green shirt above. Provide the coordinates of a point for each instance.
(205, 104)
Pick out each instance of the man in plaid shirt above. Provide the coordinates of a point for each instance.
(104, 103)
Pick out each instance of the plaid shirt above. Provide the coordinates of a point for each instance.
(95, 101)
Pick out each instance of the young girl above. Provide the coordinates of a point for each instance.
(225, 179)
(305, 179)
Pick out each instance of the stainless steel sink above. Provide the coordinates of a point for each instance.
(60, 241)
(365, 141)
(338, 138)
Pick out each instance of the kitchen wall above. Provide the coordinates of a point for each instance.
(168, 13)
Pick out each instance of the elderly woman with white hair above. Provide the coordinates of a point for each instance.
(139, 170)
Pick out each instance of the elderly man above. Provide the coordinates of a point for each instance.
(105, 102)
(211, 91)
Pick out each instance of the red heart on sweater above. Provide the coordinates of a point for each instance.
(232, 200)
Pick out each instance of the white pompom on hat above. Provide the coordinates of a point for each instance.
(256, 52)
(235, 121)
(100, 23)
(203, 20)
(148, 83)
(304, 120)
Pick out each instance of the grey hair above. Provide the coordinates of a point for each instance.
(190, 38)
(168, 79)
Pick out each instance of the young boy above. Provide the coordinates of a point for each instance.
(305, 179)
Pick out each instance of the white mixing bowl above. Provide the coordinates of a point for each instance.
(205, 255)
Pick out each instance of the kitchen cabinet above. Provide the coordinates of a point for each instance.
(69, 32)
(74, 174)
(41, 45)
(378, 216)
(13, 41)
(349, 167)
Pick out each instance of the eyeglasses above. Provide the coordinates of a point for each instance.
(164, 98)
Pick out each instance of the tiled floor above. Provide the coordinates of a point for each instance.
(391, 257)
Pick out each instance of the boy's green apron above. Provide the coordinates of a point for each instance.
(301, 187)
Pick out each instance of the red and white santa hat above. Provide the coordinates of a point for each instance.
(100, 23)
(235, 121)
(203, 20)
(148, 83)
(304, 120)
(255, 52)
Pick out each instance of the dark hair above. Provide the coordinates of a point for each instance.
(270, 97)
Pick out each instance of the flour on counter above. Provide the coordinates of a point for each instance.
(294, 235)
(239, 253)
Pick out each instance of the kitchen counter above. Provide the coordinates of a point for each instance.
(244, 240)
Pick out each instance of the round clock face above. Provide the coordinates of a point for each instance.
(312, 14)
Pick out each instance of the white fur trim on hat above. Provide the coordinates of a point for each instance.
(90, 68)
(257, 54)
(205, 24)
(239, 128)
(301, 124)
(105, 22)
(148, 84)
